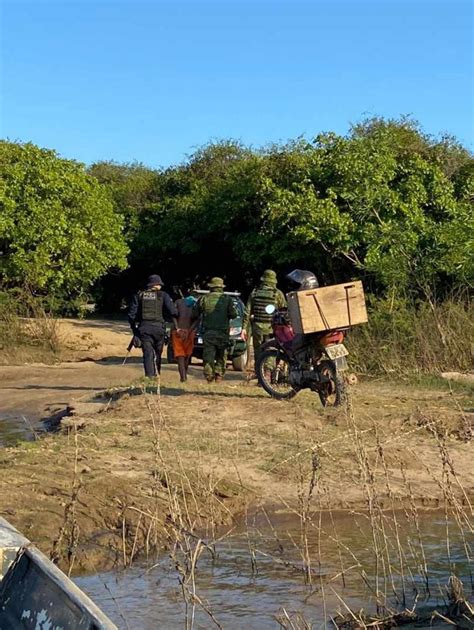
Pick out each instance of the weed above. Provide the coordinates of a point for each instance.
(24, 323)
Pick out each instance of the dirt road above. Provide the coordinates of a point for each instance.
(92, 361)
(93, 354)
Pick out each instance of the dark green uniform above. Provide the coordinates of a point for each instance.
(263, 295)
(216, 309)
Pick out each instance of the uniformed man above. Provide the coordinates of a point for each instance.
(255, 314)
(216, 309)
(147, 320)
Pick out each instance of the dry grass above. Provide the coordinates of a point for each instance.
(27, 331)
(428, 338)
(168, 468)
(398, 562)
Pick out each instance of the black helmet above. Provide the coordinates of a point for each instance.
(300, 280)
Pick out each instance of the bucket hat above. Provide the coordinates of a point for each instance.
(216, 283)
(269, 277)
(153, 280)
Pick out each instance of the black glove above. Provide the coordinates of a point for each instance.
(137, 342)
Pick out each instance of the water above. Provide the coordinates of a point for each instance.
(241, 594)
(18, 427)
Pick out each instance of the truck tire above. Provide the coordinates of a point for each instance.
(240, 363)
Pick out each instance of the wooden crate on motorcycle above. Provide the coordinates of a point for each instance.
(327, 308)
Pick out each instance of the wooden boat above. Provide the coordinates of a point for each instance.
(34, 593)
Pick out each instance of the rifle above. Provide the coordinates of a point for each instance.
(135, 342)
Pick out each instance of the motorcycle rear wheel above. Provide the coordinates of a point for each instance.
(273, 370)
(333, 393)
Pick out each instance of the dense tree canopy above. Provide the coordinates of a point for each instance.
(385, 202)
(59, 231)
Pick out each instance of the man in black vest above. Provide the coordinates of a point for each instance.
(146, 317)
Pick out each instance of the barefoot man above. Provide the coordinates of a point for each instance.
(182, 336)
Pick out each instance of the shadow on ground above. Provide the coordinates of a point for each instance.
(112, 360)
(58, 387)
(112, 325)
(164, 390)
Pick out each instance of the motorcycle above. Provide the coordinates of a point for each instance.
(290, 362)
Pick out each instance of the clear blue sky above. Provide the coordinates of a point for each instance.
(150, 81)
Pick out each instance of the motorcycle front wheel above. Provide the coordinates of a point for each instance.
(273, 372)
(332, 391)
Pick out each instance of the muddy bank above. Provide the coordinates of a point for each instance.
(127, 480)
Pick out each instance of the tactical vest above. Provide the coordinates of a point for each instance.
(215, 309)
(262, 297)
(152, 306)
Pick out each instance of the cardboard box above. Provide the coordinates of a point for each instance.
(327, 308)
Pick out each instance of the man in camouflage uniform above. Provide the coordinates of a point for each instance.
(216, 309)
(266, 293)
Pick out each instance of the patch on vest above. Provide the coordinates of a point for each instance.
(149, 295)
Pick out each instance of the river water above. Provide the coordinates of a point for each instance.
(256, 574)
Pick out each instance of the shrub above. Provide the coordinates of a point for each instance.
(423, 337)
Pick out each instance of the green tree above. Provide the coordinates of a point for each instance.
(133, 189)
(386, 202)
(58, 228)
(390, 201)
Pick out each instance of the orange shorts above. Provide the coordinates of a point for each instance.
(182, 342)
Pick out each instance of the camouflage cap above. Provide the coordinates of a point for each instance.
(216, 283)
(269, 277)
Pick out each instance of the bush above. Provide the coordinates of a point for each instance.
(425, 337)
(25, 322)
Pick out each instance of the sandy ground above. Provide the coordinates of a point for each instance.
(92, 356)
(109, 484)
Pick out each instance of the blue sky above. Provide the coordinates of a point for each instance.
(151, 81)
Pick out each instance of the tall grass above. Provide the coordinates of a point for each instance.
(392, 527)
(426, 337)
(26, 324)
(180, 504)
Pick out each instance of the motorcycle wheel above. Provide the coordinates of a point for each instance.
(273, 370)
(333, 392)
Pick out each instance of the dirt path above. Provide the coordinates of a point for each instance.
(94, 352)
(122, 481)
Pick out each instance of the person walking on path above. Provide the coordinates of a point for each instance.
(183, 334)
(266, 293)
(146, 316)
(217, 309)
